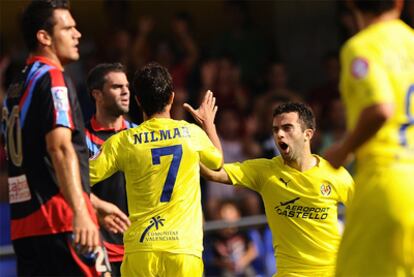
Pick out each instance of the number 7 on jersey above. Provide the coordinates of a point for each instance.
(177, 152)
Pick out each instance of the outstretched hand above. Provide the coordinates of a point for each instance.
(206, 113)
(112, 218)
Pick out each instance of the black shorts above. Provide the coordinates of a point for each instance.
(54, 255)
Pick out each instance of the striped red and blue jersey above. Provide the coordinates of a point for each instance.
(40, 99)
(111, 189)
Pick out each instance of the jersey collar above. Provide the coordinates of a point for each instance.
(44, 60)
(97, 127)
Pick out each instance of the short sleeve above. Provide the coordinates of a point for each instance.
(248, 174)
(54, 97)
(107, 161)
(346, 186)
(210, 156)
(363, 77)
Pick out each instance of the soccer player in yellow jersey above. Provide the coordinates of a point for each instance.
(377, 87)
(300, 191)
(160, 159)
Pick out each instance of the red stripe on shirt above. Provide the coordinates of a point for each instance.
(94, 138)
(115, 251)
(53, 217)
(88, 271)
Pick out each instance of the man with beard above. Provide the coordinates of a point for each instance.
(109, 89)
(300, 191)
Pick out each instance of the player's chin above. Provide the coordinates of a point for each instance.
(74, 56)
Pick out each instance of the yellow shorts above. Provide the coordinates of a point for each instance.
(160, 263)
(379, 230)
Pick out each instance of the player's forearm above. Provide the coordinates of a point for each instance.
(219, 176)
(65, 163)
(211, 132)
(369, 122)
(95, 201)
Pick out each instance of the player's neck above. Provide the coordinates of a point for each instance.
(50, 55)
(157, 115)
(109, 122)
(303, 163)
(369, 19)
(166, 113)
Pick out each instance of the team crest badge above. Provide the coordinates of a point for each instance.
(359, 68)
(326, 190)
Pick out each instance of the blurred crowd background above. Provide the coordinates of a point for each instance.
(252, 54)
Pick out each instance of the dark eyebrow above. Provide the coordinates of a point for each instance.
(119, 85)
(283, 126)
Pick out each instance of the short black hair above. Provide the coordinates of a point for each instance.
(38, 15)
(96, 76)
(374, 7)
(153, 87)
(304, 112)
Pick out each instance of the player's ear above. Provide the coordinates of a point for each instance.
(170, 101)
(138, 102)
(309, 134)
(44, 38)
(96, 94)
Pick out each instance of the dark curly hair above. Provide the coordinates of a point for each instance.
(39, 16)
(375, 7)
(304, 112)
(153, 88)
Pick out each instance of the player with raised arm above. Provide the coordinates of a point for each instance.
(377, 87)
(160, 159)
(300, 191)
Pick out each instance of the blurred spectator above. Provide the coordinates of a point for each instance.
(347, 24)
(117, 13)
(141, 51)
(277, 82)
(264, 107)
(321, 97)
(180, 97)
(408, 13)
(178, 52)
(336, 126)
(185, 48)
(229, 126)
(233, 249)
(119, 47)
(242, 41)
(229, 90)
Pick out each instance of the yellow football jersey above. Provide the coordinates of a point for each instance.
(301, 209)
(160, 159)
(378, 67)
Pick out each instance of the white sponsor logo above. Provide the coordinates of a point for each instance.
(19, 189)
(60, 98)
